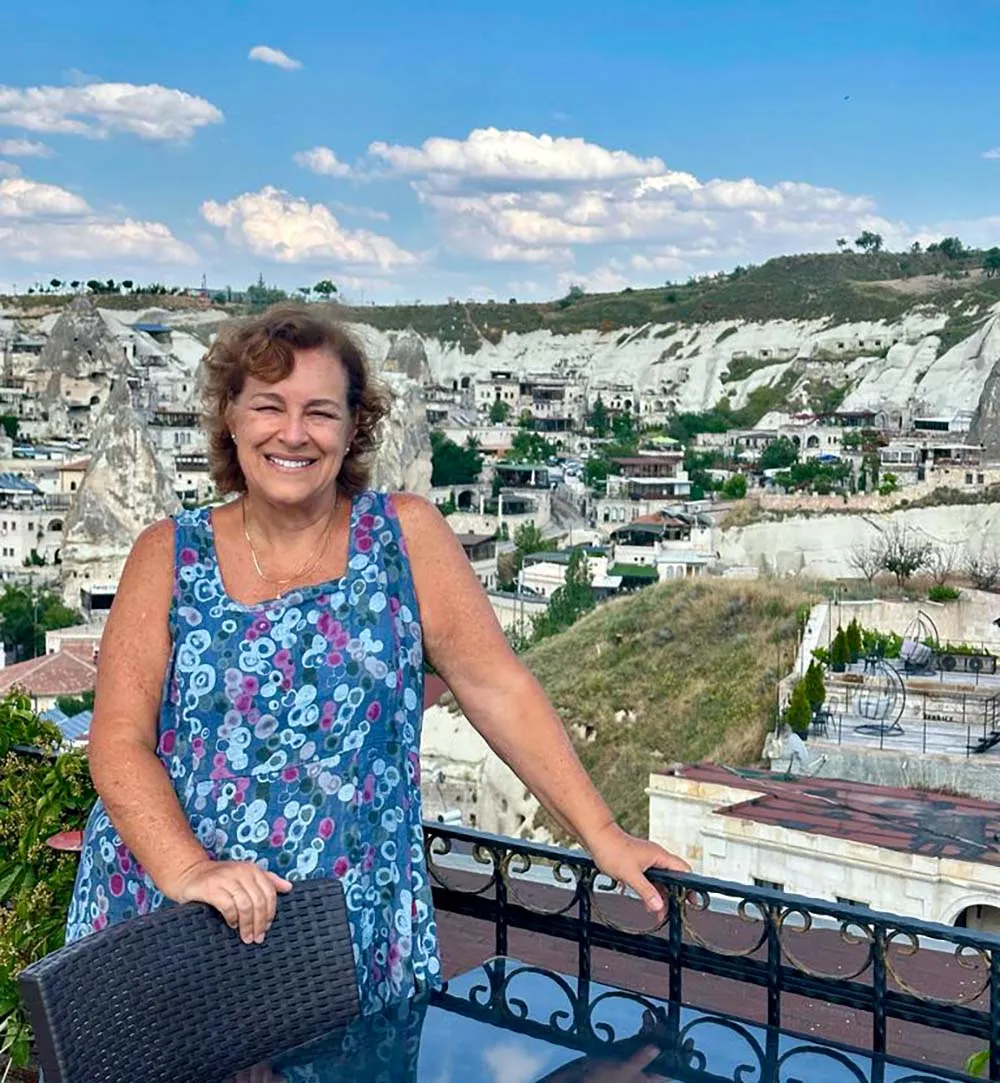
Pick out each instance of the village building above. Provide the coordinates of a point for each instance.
(676, 544)
(924, 855)
(481, 549)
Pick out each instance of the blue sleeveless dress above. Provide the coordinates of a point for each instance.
(291, 732)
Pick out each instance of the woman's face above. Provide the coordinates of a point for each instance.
(292, 436)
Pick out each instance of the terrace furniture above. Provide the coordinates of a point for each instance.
(177, 997)
(916, 657)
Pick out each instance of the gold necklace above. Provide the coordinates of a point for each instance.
(307, 567)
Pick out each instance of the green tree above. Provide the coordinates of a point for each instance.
(56, 284)
(798, 714)
(454, 465)
(568, 602)
(9, 423)
(623, 428)
(869, 242)
(499, 412)
(528, 538)
(127, 283)
(840, 652)
(325, 288)
(780, 455)
(991, 262)
(73, 705)
(27, 614)
(735, 487)
(815, 686)
(598, 420)
(889, 484)
(529, 447)
(855, 644)
(951, 247)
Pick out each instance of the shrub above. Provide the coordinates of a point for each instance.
(798, 714)
(840, 651)
(854, 640)
(41, 794)
(942, 592)
(815, 687)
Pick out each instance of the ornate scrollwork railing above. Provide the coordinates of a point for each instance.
(865, 960)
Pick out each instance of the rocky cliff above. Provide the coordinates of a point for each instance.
(123, 491)
(986, 421)
(404, 458)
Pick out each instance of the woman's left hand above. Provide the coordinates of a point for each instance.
(626, 858)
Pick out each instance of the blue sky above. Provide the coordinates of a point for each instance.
(454, 149)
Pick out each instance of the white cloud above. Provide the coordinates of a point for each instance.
(361, 212)
(993, 153)
(98, 110)
(92, 239)
(322, 160)
(276, 225)
(23, 198)
(492, 154)
(42, 222)
(266, 55)
(513, 196)
(24, 148)
(509, 1063)
(9, 169)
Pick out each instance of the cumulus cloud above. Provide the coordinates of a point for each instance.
(492, 154)
(276, 225)
(24, 148)
(98, 110)
(40, 222)
(93, 239)
(266, 55)
(23, 198)
(322, 160)
(993, 153)
(508, 196)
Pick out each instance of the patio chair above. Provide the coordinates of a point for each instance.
(177, 997)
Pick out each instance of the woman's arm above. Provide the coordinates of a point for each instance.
(505, 703)
(127, 773)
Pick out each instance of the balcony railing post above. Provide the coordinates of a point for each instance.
(675, 900)
(879, 948)
(501, 863)
(773, 966)
(585, 886)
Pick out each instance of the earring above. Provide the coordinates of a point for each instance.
(232, 437)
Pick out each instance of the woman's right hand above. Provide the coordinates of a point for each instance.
(244, 894)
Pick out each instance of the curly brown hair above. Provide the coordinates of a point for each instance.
(264, 347)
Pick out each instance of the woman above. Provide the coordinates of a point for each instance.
(259, 694)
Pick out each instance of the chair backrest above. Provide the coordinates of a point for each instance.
(177, 997)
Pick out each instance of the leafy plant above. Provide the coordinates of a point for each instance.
(840, 651)
(815, 686)
(942, 592)
(798, 713)
(41, 794)
(854, 640)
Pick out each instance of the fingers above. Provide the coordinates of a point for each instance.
(663, 859)
(281, 885)
(650, 895)
(641, 1060)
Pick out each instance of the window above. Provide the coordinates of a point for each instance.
(968, 479)
(980, 479)
(771, 885)
(844, 901)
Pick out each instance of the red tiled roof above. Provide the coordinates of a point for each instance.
(62, 673)
(77, 464)
(81, 646)
(906, 820)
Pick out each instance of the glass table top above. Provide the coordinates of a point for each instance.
(507, 1022)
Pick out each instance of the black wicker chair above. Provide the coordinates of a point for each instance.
(177, 997)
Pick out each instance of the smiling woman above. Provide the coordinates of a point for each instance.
(260, 689)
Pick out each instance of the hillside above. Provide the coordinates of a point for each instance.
(696, 663)
(845, 286)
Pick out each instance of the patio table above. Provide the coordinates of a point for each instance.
(508, 1022)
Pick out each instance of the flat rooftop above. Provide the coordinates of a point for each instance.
(909, 821)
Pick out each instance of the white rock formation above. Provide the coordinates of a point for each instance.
(404, 457)
(123, 491)
(820, 546)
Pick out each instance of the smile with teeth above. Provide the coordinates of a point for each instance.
(289, 464)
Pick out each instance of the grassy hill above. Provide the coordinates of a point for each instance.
(845, 286)
(697, 664)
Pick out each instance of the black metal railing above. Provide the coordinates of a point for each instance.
(879, 980)
(695, 1046)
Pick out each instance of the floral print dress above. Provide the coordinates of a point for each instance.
(291, 732)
